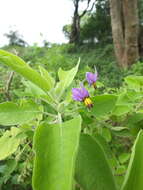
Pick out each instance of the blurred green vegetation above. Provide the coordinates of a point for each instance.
(95, 51)
(52, 57)
(67, 55)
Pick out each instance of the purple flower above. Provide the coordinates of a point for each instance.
(82, 95)
(79, 94)
(91, 77)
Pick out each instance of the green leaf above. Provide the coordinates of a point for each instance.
(103, 104)
(101, 140)
(134, 82)
(92, 168)
(116, 128)
(134, 175)
(13, 114)
(9, 142)
(122, 109)
(19, 66)
(47, 76)
(134, 118)
(121, 131)
(124, 158)
(36, 92)
(55, 147)
(33, 90)
(120, 170)
(8, 169)
(123, 98)
(66, 78)
(106, 134)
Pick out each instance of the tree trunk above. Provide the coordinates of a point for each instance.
(131, 31)
(75, 28)
(117, 30)
(124, 20)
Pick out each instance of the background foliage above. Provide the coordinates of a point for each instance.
(113, 125)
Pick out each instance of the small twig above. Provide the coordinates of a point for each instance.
(8, 85)
(18, 156)
(10, 78)
(86, 10)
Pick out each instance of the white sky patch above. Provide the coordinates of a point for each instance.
(34, 17)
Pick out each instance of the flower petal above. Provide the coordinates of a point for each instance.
(79, 94)
(91, 77)
(76, 94)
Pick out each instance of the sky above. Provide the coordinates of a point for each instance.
(35, 17)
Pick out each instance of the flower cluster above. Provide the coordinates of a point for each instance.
(81, 94)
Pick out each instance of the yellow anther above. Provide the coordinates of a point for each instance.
(88, 102)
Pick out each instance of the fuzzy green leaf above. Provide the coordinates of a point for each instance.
(19, 66)
(103, 104)
(55, 147)
(92, 168)
(134, 176)
(13, 114)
